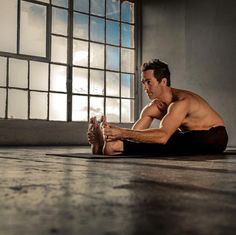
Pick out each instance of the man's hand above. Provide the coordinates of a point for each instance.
(112, 133)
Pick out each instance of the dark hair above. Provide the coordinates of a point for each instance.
(161, 69)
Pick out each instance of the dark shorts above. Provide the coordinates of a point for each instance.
(213, 140)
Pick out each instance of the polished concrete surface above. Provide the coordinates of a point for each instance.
(42, 194)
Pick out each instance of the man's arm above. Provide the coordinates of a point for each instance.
(176, 113)
(149, 112)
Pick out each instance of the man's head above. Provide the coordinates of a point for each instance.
(160, 70)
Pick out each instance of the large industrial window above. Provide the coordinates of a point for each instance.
(67, 60)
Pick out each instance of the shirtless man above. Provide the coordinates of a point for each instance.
(188, 123)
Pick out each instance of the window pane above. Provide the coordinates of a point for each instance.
(113, 58)
(17, 104)
(81, 5)
(80, 53)
(80, 25)
(2, 102)
(98, 7)
(59, 49)
(127, 11)
(80, 81)
(113, 110)
(18, 73)
(127, 85)
(112, 84)
(57, 107)
(96, 82)
(97, 29)
(38, 105)
(127, 110)
(96, 106)
(113, 9)
(97, 55)
(79, 108)
(3, 71)
(59, 21)
(33, 29)
(38, 76)
(58, 78)
(8, 25)
(61, 3)
(113, 32)
(127, 60)
(127, 38)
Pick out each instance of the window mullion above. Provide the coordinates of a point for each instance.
(120, 64)
(105, 60)
(18, 27)
(7, 88)
(69, 60)
(89, 21)
(49, 40)
(48, 33)
(138, 58)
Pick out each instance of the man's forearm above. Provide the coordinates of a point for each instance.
(142, 123)
(145, 136)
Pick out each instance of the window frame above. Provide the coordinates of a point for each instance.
(69, 64)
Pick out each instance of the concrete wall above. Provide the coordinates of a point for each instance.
(36, 132)
(27, 132)
(197, 39)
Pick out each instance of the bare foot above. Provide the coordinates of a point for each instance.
(95, 136)
(97, 140)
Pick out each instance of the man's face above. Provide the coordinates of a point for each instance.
(150, 84)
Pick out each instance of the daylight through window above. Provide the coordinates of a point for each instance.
(67, 60)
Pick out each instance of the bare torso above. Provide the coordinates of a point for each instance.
(200, 115)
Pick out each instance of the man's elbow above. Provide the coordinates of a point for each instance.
(163, 139)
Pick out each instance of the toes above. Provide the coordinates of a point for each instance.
(92, 123)
(91, 137)
(95, 122)
(101, 118)
(92, 120)
(104, 122)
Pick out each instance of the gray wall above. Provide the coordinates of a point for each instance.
(36, 132)
(197, 39)
(28, 132)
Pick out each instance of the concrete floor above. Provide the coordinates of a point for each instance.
(43, 195)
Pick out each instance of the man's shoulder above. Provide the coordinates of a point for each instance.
(186, 94)
(158, 104)
(155, 109)
(186, 97)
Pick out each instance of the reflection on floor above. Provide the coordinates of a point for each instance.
(42, 195)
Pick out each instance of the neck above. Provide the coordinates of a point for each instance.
(168, 95)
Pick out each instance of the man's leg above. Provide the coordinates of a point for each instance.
(96, 139)
(180, 143)
(112, 147)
